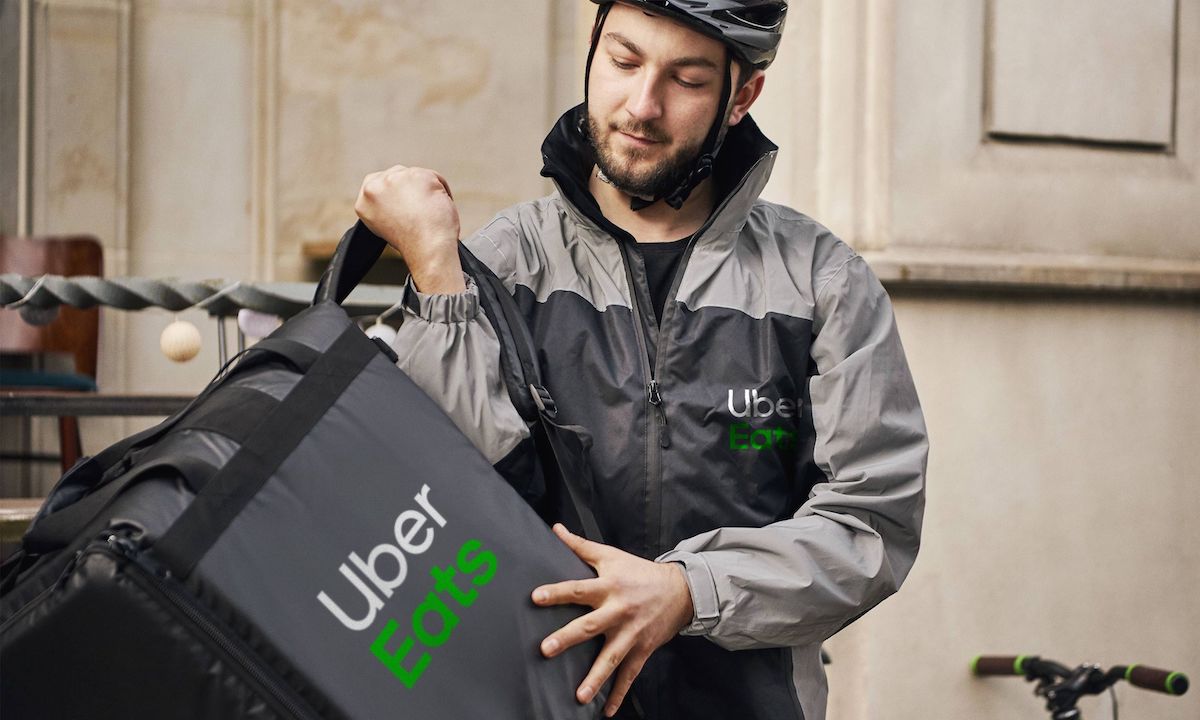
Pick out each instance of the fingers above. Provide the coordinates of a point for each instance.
(571, 592)
(610, 658)
(374, 183)
(630, 669)
(377, 184)
(579, 630)
(588, 551)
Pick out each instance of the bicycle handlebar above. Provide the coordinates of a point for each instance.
(997, 665)
(1164, 681)
(1017, 665)
(1149, 678)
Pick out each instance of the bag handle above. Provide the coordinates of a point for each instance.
(360, 248)
(356, 253)
(74, 503)
(238, 481)
(58, 529)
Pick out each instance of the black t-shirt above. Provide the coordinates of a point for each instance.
(661, 259)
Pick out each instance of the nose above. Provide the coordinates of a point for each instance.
(644, 102)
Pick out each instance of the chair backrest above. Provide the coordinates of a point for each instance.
(74, 331)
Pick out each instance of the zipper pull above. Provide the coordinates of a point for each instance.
(655, 398)
(128, 539)
(125, 537)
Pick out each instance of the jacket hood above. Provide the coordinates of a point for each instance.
(741, 172)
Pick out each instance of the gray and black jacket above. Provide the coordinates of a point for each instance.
(766, 433)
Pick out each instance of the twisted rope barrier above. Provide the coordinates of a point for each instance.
(219, 298)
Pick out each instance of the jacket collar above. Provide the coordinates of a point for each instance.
(741, 172)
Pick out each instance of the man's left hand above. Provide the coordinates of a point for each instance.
(638, 605)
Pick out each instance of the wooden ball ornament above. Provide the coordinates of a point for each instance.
(180, 341)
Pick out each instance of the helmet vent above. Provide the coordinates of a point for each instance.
(760, 17)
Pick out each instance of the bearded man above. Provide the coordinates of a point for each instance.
(758, 446)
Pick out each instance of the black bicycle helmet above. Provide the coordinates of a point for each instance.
(751, 29)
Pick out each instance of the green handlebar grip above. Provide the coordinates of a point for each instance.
(1165, 681)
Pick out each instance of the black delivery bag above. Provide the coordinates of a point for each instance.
(311, 537)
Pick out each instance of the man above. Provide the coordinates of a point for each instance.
(759, 450)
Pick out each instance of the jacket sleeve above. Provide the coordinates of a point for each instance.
(447, 346)
(800, 580)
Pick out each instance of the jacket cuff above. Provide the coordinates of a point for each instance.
(706, 611)
(442, 308)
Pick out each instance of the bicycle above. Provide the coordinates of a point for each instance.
(1062, 687)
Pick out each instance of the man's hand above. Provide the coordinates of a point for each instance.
(638, 606)
(413, 210)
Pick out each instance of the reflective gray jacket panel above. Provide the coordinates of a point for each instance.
(784, 463)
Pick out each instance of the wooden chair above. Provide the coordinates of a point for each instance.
(74, 332)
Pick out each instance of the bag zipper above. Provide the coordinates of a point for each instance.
(43, 594)
(127, 545)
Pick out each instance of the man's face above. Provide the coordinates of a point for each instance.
(653, 95)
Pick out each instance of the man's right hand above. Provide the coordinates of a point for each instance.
(413, 211)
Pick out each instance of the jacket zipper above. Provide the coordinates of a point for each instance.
(654, 397)
(653, 392)
(145, 572)
(657, 435)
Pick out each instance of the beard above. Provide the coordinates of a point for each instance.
(619, 167)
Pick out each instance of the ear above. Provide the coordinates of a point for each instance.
(745, 96)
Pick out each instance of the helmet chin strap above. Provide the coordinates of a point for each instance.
(601, 16)
(703, 167)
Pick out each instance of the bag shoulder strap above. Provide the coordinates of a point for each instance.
(89, 487)
(561, 445)
(518, 359)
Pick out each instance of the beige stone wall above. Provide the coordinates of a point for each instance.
(464, 88)
(1061, 507)
(1062, 483)
(214, 138)
(955, 185)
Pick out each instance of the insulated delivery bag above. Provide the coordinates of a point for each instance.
(311, 537)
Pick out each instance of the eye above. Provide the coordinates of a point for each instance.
(621, 65)
(690, 85)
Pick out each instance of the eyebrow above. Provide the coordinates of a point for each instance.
(691, 61)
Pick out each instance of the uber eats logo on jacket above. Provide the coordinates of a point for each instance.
(404, 647)
(750, 405)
